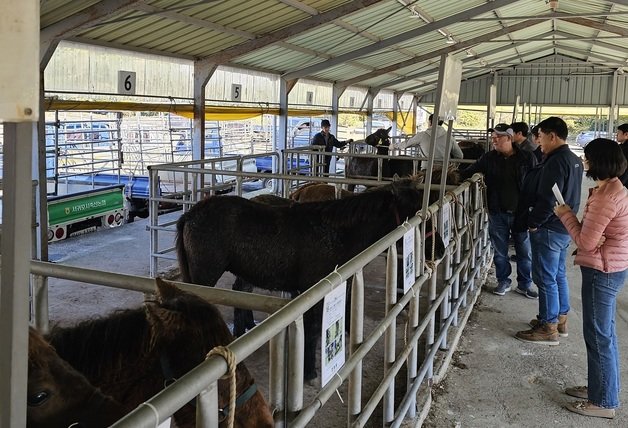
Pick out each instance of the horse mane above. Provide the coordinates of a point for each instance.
(201, 318)
(38, 349)
(363, 207)
(123, 329)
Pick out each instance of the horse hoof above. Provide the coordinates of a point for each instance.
(309, 378)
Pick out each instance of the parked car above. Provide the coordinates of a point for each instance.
(584, 137)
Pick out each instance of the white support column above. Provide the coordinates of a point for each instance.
(415, 112)
(336, 92)
(370, 97)
(202, 73)
(14, 275)
(282, 131)
(396, 97)
(613, 107)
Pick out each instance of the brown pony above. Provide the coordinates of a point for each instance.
(133, 353)
(315, 192)
(59, 396)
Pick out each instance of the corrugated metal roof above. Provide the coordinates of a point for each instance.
(390, 44)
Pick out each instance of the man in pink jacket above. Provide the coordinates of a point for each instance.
(602, 240)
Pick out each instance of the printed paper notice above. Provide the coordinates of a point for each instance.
(333, 334)
(409, 268)
(557, 194)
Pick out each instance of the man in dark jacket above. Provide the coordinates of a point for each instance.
(622, 139)
(548, 237)
(504, 169)
(525, 139)
(327, 139)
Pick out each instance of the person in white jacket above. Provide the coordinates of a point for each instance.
(422, 139)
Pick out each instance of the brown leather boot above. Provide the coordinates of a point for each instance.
(546, 334)
(562, 325)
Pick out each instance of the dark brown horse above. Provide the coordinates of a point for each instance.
(233, 234)
(133, 353)
(402, 166)
(471, 149)
(59, 396)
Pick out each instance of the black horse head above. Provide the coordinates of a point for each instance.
(380, 140)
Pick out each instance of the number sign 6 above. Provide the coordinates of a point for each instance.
(126, 82)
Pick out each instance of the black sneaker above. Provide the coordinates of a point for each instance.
(528, 292)
(502, 288)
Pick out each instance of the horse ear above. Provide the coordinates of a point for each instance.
(166, 290)
(388, 130)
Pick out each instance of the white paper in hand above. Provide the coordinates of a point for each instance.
(558, 195)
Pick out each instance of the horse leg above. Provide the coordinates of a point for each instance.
(242, 318)
(312, 321)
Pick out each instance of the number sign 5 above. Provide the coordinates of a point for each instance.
(236, 92)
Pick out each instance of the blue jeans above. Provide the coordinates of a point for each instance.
(549, 253)
(499, 229)
(599, 293)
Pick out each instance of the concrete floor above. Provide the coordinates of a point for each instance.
(494, 381)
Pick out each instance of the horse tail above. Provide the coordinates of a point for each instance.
(182, 257)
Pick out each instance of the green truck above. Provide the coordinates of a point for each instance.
(83, 212)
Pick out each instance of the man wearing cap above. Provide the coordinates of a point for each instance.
(622, 139)
(327, 139)
(423, 140)
(548, 237)
(504, 169)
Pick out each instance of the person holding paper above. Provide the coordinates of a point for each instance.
(602, 240)
(504, 169)
(548, 237)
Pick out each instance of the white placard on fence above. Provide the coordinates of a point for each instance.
(333, 334)
(445, 223)
(409, 267)
(126, 82)
(19, 69)
(450, 90)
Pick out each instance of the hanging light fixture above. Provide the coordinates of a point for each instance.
(450, 40)
(553, 4)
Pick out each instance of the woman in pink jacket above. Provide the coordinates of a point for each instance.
(602, 241)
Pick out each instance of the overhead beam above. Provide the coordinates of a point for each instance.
(596, 42)
(427, 28)
(186, 19)
(85, 19)
(609, 28)
(602, 59)
(122, 46)
(433, 70)
(458, 46)
(489, 65)
(228, 54)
